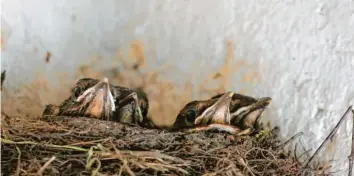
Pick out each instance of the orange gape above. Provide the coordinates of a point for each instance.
(96, 106)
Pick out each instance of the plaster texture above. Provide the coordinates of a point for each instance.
(302, 51)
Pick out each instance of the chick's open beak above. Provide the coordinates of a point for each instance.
(249, 115)
(218, 113)
(264, 101)
(98, 100)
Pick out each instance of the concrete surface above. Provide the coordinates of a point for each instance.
(302, 51)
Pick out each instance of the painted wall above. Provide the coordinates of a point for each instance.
(302, 52)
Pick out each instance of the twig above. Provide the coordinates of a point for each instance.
(41, 170)
(90, 163)
(242, 162)
(306, 151)
(291, 139)
(295, 154)
(351, 156)
(140, 154)
(218, 127)
(168, 167)
(6, 141)
(91, 142)
(3, 75)
(18, 168)
(329, 136)
(127, 168)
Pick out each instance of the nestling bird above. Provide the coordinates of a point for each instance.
(99, 99)
(235, 113)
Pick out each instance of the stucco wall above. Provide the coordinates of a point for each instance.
(302, 51)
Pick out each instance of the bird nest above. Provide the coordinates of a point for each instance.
(86, 146)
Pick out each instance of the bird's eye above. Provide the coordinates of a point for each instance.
(191, 115)
(76, 92)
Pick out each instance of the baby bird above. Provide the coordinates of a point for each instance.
(234, 113)
(99, 99)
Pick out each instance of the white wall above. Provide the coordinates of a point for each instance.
(303, 51)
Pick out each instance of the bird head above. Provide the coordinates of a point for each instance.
(94, 101)
(204, 112)
(226, 108)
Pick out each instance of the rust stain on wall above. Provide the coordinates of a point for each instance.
(222, 75)
(221, 80)
(249, 77)
(137, 52)
(2, 41)
(242, 91)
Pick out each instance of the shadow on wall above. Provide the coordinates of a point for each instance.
(131, 71)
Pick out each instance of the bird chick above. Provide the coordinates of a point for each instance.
(99, 99)
(230, 112)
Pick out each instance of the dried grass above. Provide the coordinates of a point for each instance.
(73, 146)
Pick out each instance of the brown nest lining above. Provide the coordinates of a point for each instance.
(73, 146)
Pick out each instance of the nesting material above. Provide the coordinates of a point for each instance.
(73, 146)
